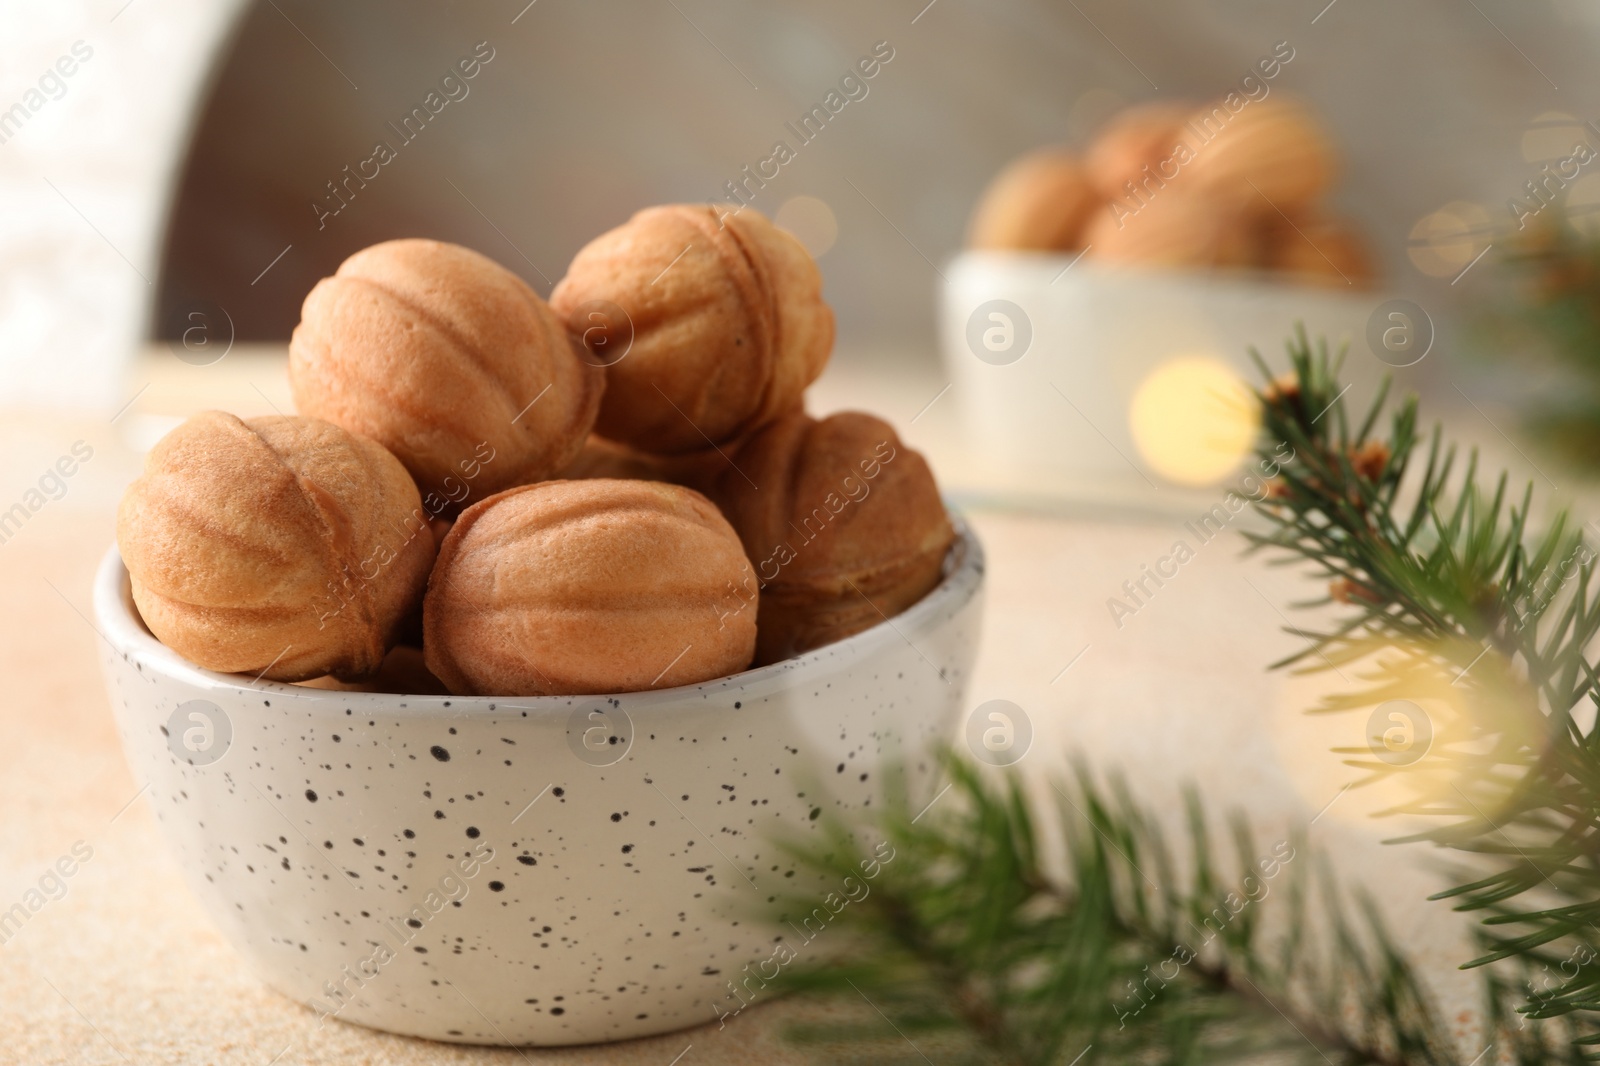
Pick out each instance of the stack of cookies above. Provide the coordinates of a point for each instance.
(1238, 183)
(614, 491)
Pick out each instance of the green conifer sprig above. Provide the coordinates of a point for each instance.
(969, 949)
(1454, 602)
(974, 948)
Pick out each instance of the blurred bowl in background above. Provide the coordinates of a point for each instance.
(1087, 382)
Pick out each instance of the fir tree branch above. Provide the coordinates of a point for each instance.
(1548, 309)
(1455, 603)
(969, 948)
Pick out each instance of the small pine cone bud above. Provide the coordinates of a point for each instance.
(1343, 590)
(1370, 459)
(1283, 389)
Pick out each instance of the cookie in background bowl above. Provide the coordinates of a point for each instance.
(1135, 142)
(1041, 202)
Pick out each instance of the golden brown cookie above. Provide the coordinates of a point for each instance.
(1039, 202)
(843, 524)
(601, 458)
(1147, 135)
(1176, 227)
(284, 547)
(726, 317)
(402, 674)
(1321, 251)
(1272, 150)
(570, 587)
(451, 362)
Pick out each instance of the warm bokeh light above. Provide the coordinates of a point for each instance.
(1444, 242)
(1551, 136)
(811, 221)
(1416, 742)
(1583, 205)
(1193, 420)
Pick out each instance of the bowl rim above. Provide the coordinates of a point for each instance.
(125, 634)
(1257, 283)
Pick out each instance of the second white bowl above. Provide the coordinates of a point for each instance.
(1047, 354)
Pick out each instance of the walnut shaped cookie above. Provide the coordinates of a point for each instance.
(285, 548)
(726, 318)
(595, 586)
(842, 522)
(448, 360)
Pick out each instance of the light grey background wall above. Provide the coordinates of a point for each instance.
(591, 110)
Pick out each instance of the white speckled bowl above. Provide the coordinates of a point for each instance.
(552, 870)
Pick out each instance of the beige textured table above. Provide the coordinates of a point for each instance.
(124, 967)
